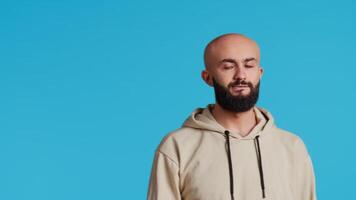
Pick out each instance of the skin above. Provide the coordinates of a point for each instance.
(229, 58)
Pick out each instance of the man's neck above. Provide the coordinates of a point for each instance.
(242, 122)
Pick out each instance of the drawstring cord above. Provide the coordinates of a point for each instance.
(230, 165)
(257, 145)
(259, 159)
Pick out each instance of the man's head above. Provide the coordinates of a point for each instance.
(232, 67)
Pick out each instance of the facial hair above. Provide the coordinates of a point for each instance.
(238, 103)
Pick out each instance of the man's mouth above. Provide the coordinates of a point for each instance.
(237, 88)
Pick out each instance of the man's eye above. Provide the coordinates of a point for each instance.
(250, 66)
(228, 66)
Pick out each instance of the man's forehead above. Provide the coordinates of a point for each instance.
(233, 53)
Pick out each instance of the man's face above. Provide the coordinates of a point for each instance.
(234, 72)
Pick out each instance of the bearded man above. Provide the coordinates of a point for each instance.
(232, 149)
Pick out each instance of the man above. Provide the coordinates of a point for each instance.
(232, 149)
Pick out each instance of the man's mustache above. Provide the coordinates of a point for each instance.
(241, 83)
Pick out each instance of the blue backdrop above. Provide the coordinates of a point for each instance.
(89, 88)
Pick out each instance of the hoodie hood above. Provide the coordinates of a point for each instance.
(202, 118)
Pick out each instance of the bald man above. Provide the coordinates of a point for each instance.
(232, 149)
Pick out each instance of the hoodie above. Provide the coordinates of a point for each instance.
(202, 160)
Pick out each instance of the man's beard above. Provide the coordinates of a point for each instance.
(238, 103)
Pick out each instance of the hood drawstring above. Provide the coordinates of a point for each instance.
(230, 165)
(259, 160)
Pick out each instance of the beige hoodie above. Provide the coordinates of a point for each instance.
(199, 162)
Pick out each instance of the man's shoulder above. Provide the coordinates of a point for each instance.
(286, 134)
(289, 138)
(177, 136)
(172, 142)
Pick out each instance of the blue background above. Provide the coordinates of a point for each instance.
(89, 88)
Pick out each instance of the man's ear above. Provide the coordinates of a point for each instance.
(261, 72)
(207, 78)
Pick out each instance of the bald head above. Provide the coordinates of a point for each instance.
(230, 45)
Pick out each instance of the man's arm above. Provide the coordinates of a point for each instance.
(164, 179)
(305, 177)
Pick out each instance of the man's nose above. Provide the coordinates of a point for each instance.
(239, 73)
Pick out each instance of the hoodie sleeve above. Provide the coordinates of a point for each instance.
(305, 178)
(164, 179)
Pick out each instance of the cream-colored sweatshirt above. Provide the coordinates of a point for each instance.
(204, 161)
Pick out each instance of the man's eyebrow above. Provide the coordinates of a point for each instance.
(249, 59)
(230, 60)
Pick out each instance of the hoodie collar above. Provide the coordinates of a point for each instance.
(202, 118)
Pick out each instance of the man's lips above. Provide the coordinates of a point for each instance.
(238, 88)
